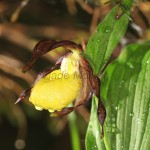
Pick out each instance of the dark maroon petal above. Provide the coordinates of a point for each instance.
(95, 87)
(40, 49)
(45, 46)
(85, 91)
(101, 113)
(23, 95)
(63, 112)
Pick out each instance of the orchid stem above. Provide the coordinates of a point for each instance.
(75, 138)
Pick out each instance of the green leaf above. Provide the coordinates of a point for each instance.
(99, 49)
(125, 88)
(103, 41)
(93, 136)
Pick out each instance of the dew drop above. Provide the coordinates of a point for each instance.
(147, 61)
(131, 66)
(116, 108)
(138, 121)
(112, 128)
(107, 31)
(116, 130)
(121, 83)
(131, 114)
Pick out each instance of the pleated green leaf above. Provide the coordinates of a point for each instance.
(105, 38)
(125, 88)
(93, 136)
(98, 51)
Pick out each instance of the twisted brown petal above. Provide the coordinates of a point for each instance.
(45, 46)
(23, 95)
(63, 112)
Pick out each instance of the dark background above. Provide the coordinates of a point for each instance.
(21, 27)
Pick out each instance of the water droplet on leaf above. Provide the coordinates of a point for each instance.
(116, 107)
(121, 83)
(131, 66)
(112, 127)
(107, 31)
(131, 114)
(138, 121)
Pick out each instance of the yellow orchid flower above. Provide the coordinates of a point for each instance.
(64, 86)
(70, 80)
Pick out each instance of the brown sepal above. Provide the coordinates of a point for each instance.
(63, 112)
(45, 46)
(101, 113)
(95, 87)
(23, 95)
(85, 92)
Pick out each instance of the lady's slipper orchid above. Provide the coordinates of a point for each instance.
(70, 80)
